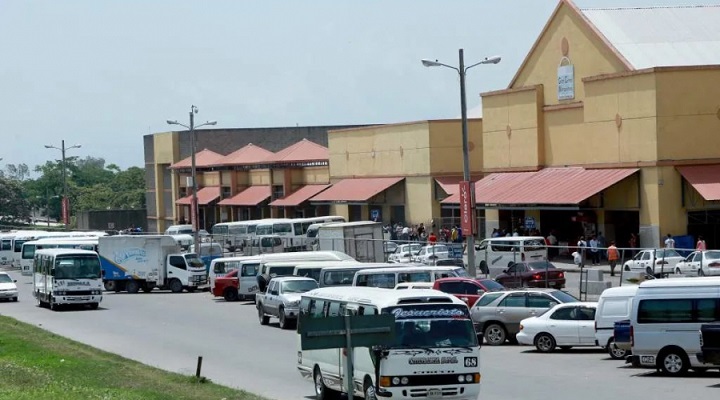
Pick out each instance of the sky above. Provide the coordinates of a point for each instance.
(104, 73)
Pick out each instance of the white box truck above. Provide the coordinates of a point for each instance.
(361, 240)
(144, 262)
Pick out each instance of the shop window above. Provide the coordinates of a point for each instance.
(278, 192)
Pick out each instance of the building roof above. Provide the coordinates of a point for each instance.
(661, 36)
(303, 150)
(204, 158)
(299, 196)
(248, 154)
(249, 197)
(355, 189)
(449, 184)
(704, 178)
(205, 196)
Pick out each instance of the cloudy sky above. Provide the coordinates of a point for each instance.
(103, 73)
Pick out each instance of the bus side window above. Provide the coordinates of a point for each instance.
(305, 306)
(317, 308)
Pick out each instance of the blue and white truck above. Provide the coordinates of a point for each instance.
(143, 262)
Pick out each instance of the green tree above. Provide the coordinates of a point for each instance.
(13, 204)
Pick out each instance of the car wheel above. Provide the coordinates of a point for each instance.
(322, 392)
(283, 321)
(545, 343)
(264, 319)
(673, 362)
(231, 294)
(369, 390)
(677, 271)
(615, 352)
(627, 268)
(495, 334)
(649, 271)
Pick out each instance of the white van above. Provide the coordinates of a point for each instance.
(665, 322)
(6, 248)
(343, 275)
(312, 269)
(263, 244)
(615, 304)
(494, 255)
(390, 277)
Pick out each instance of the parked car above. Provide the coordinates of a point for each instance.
(654, 261)
(565, 325)
(8, 288)
(468, 290)
(700, 263)
(429, 254)
(539, 274)
(414, 285)
(404, 253)
(389, 247)
(497, 315)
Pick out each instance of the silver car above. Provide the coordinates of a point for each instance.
(497, 315)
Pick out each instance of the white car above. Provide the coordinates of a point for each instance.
(654, 261)
(700, 263)
(8, 288)
(566, 325)
(428, 255)
(404, 253)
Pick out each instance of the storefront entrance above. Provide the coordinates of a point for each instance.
(705, 224)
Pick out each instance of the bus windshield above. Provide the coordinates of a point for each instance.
(77, 267)
(18, 245)
(432, 325)
(28, 251)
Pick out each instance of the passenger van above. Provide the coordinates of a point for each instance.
(343, 275)
(27, 252)
(388, 278)
(493, 255)
(615, 304)
(233, 234)
(666, 318)
(263, 244)
(312, 269)
(6, 248)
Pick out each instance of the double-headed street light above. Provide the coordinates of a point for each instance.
(462, 70)
(65, 201)
(194, 206)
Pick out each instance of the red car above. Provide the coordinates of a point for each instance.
(227, 286)
(468, 290)
(538, 274)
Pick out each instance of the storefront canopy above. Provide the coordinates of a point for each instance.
(550, 186)
(299, 196)
(249, 197)
(358, 190)
(449, 184)
(205, 196)
(703, 178)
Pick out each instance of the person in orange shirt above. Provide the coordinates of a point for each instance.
(613, 256)
(432, 239)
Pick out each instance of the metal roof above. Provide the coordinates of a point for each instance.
(704, 178)
(303, 150)
(205, 196)
(203, 158)
(249, 154)
(356, 189)
(299, 196)
(249, 197)
(661, 36)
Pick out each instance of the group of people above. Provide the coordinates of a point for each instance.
(418, 233)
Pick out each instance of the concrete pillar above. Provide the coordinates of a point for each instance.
(492, 221)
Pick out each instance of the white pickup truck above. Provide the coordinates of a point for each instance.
(282, 299)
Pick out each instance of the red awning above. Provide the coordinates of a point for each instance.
(703, 178)
(552, 186)
(205, 196)
(449, 184)
(249, 197)
(299, 196)
(356, 189)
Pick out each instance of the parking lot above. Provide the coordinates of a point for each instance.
(171, 330)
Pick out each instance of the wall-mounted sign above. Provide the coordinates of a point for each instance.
(566, 80)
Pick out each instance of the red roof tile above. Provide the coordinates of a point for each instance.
(303, 150)
(249, 154)
(204, 158)
(299, 196)
(449, 184)
(704, 178)
(249, 197)
(205, 196)
(356, 189)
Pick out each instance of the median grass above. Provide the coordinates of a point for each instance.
(36, 364)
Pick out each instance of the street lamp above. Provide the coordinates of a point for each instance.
(65, 201)
(462, 70)
(194, 207)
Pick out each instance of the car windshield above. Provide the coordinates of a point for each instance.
(436, 325)
(663, 253)
(540, 265)
(298, 286)
(712, 255)
(4, 278)
(563, 297)
(461, 272)
(28, 251)
(194, 261)
(187, 231)
(491, 285)
(77, 267)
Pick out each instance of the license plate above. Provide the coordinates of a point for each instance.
(647, 359)
(435, 393)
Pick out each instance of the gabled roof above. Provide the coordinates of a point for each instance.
(303, 150)
(661, 36)
(205, 196)
(204, 158)
(249, 154)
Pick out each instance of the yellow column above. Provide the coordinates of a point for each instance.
(492, 221)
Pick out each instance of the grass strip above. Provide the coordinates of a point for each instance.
(36, 364)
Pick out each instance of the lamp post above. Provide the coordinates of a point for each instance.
(194, 214)
(462, 71)
(65, 201)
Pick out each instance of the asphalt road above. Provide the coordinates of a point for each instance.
(170, 330)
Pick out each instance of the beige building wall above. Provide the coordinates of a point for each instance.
(446, 149)
(165, 152)
(259, 177)
(315, 175)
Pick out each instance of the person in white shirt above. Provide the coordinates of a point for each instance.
(669, 242)
(594, 251)
(582, 245)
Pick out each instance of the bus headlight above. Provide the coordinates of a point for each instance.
(469, 378)
(59, 293)
(396, 381)
(404, 380)
(461, 378)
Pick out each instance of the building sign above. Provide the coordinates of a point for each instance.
(467, 207)
(566, 81)
(529, 223)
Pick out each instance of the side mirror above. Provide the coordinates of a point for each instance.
(15, 280)
(504, 271)
(102, 272)
(52, 271)
(480, 292)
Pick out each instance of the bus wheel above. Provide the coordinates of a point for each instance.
(148, 287)
(176, 286)
(132, 286)
(369, 390)
(110, 286)
(53, 306)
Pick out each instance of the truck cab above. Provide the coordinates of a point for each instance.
(282, 299)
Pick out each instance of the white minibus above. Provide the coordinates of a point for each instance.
(274, 226)
(435, 352)
(6, 248)
(312, 269)
(301, 230)
(67, 276)
(28, 248)
(388, 278)
(494, 255)
(615, 304)
(343, 275)
(233, 234)
(665, 322)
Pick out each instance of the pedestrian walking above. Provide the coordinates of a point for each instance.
(669, 242)
(701, 246)
(594, 251)
(613, 256)
(582, 246)
(432, 239)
